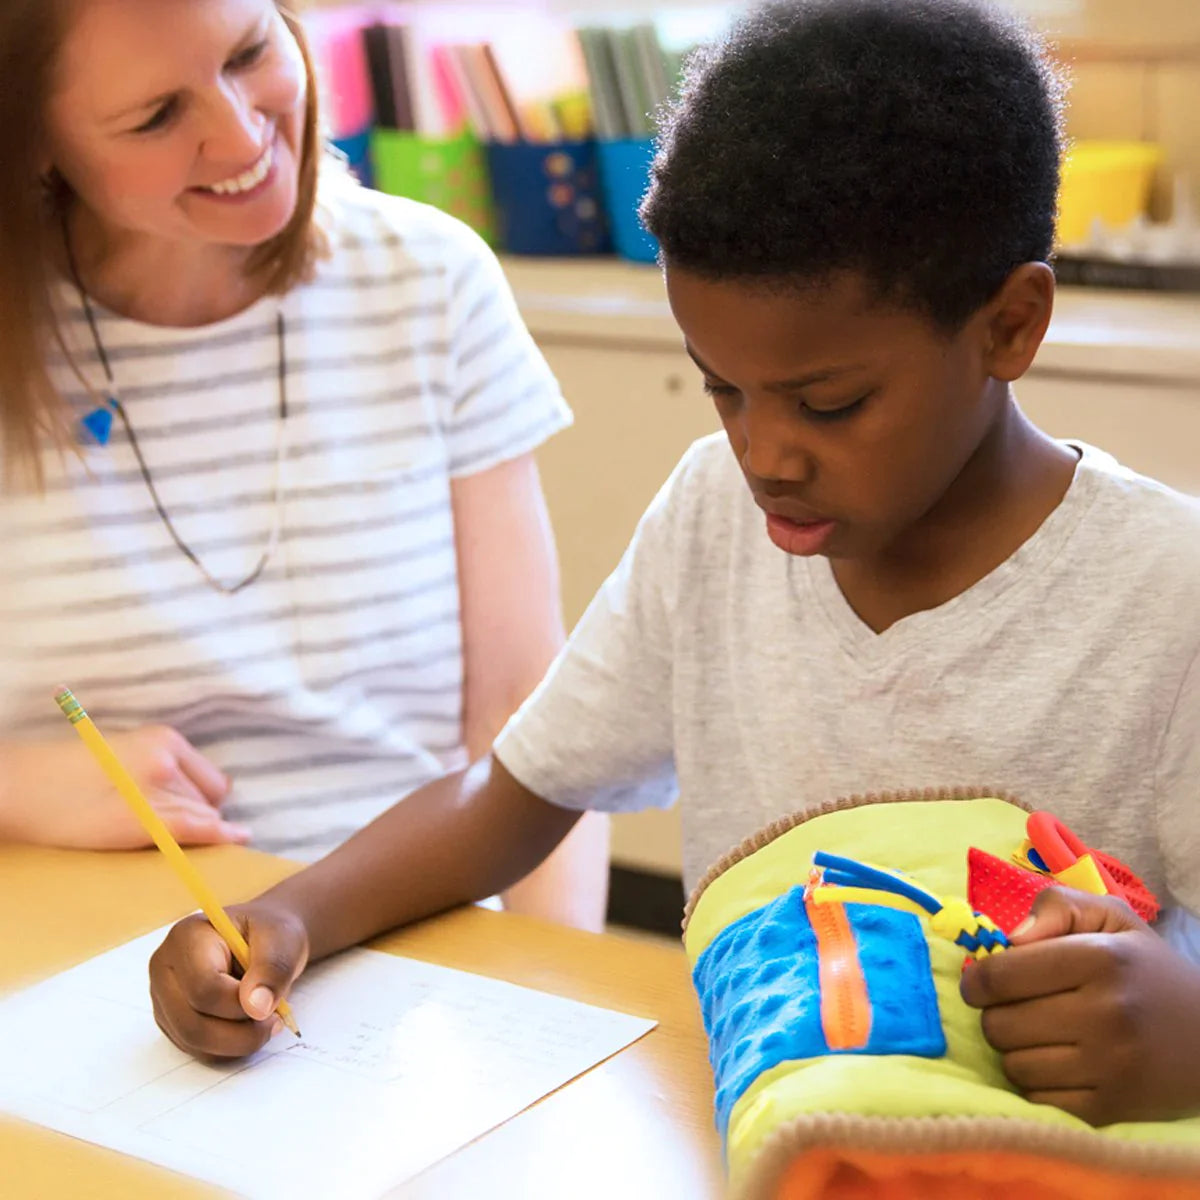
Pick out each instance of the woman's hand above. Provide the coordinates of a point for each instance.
(54, 793)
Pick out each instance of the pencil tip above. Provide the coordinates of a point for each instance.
(297, 1031)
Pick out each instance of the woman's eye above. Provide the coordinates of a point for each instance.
(719, 389)
(162, 115)
(248, 57)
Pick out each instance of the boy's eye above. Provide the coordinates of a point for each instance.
(161, 117)
(724, 391)
(247, 57)
(835, 414)
(719, 389)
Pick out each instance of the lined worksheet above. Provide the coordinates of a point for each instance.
(401, 1063)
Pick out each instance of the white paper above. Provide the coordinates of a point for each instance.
(402, 1063)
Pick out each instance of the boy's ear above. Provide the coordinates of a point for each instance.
(1017, 319)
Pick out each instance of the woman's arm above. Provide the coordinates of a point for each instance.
(512, 629)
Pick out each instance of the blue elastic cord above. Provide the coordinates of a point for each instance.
(846, 872)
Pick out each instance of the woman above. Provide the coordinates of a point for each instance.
(270, 506)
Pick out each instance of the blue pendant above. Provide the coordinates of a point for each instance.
(96, 427)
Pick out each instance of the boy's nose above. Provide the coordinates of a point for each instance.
(771, 451)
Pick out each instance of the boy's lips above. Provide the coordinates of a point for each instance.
(795, 514)
(796, 532)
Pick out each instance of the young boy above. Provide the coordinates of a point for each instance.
(894, 580)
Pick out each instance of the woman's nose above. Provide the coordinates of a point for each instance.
(235, 130)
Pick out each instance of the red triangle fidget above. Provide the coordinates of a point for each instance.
(1002, 890)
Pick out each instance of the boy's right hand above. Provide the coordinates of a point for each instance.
(54, 793)
(199, 1002)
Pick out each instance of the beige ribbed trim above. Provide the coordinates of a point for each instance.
(934, 1135)
(764, 837)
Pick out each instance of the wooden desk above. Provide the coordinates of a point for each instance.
(637, 1126)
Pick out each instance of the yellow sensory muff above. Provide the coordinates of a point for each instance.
(827, 952)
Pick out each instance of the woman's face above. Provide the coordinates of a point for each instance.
(180, 119)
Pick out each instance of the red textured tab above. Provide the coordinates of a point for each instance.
(1002, 890)
(1131, 889)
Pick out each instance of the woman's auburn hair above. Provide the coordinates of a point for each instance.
(33, 413)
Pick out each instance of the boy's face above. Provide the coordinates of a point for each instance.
(850, 420)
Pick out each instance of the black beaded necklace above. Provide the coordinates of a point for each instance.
(98, 423)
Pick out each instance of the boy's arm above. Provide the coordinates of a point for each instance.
(599, 736)
(460, 838)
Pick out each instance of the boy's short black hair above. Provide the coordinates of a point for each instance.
(917, 142)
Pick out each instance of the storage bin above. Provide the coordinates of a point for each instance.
(548, 198)
(1106, 180)
(625, 175)
(451, 174)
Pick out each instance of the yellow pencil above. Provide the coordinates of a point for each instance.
(153, 823)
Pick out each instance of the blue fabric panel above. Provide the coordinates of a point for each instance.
(759, 992)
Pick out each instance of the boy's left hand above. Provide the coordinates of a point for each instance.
(1093, 1012)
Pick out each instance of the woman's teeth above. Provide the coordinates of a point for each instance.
(247, 180)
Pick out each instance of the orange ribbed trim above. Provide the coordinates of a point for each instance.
(848, 1174)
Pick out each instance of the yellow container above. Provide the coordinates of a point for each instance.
(1109, 180)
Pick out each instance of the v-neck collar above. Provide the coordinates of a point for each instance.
(815, 584)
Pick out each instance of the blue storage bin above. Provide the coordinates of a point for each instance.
(625, 175)
(548, 199)
(357, 150)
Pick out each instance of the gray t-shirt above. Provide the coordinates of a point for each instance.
(713, 665)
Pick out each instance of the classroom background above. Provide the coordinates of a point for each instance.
(534, 121)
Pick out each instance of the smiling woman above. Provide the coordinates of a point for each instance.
(73, 126)
(201, 144)
(298, 561)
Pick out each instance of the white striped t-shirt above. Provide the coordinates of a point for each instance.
(332, 685)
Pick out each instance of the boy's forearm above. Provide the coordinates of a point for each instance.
(461, 838)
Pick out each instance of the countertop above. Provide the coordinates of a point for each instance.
(1153, 337)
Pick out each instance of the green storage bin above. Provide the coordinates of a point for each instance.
(450, 174)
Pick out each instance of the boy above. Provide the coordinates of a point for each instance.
(894, 581)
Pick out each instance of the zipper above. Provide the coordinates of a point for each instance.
(845, 1005)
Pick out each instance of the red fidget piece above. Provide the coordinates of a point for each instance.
(1002, 890)
(1059, 849)
(1130, 888)
(1005, 891)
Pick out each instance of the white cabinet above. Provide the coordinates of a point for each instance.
(1152, 426)
(636, 412)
